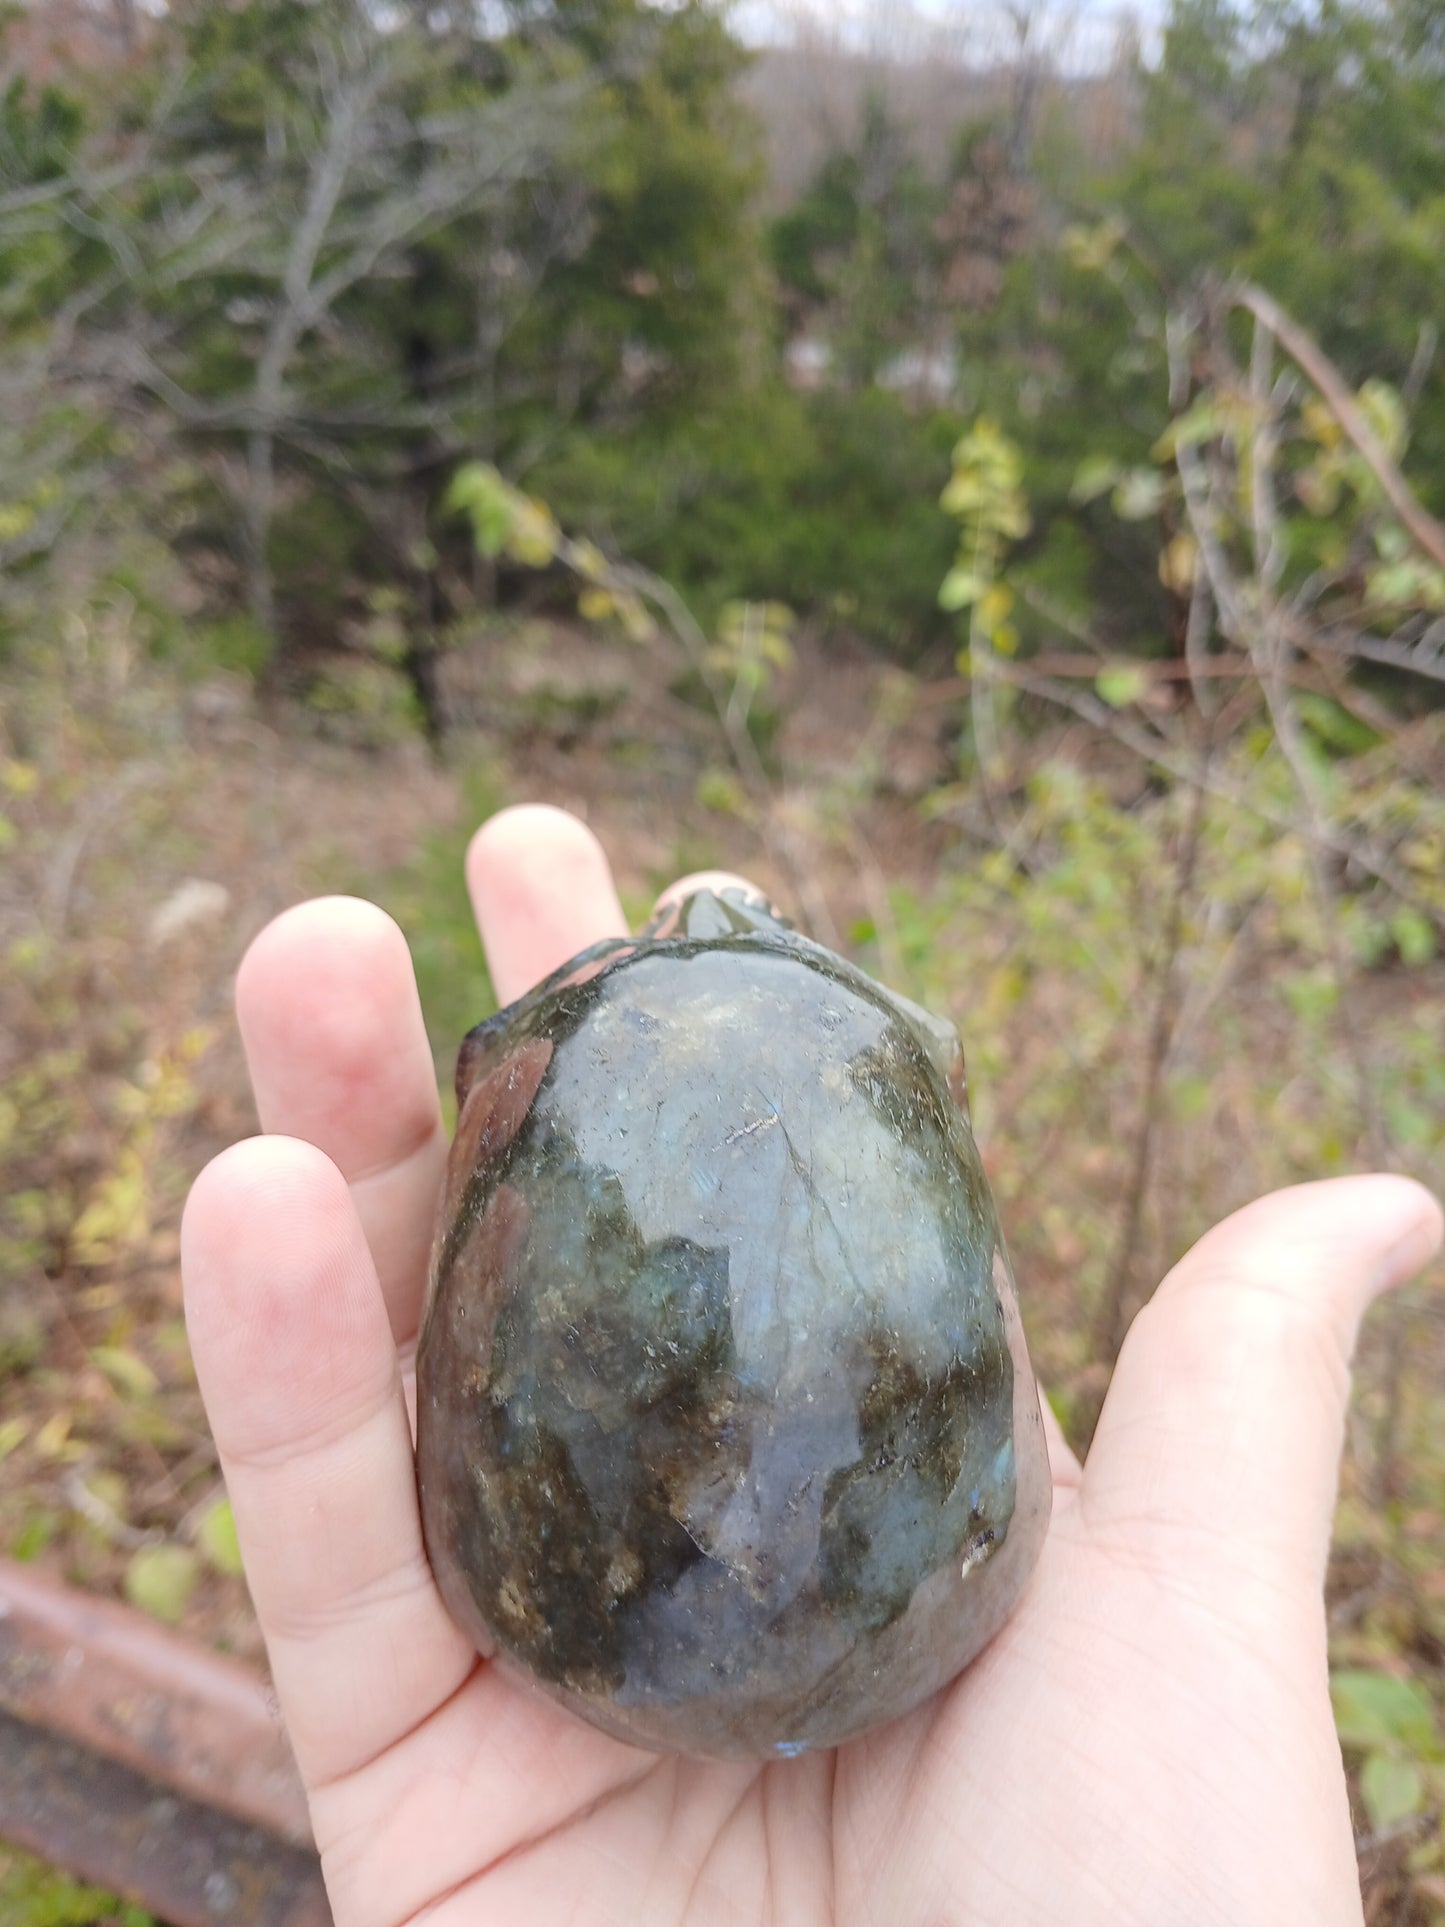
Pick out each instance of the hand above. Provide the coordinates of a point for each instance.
(1149, 1739)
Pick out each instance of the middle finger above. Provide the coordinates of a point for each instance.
(338, 1054)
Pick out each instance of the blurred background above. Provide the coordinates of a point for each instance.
(977, 469)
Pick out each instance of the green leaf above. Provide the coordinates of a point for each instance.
(1384, 410)
(1333, 726)
(1190, 1097)
(216, 1537)
(467, 487)
(1393, 1789)
(482, 494)
(1397, 584)
(1138, 494)
(1319, 488)
(161, 1579)
(1414, 936)
(1311, 994)
(1199, 423)
(1121, 685)
(721, 791)
(1375, 1709)
(1091, 249)
(1095, 476)
(127, 1371)
(960, 587)
(595, 605)
(37, 1531)
(589, 561)
(16, 519)
(637, 624)
(965, 494)
(1010, 518)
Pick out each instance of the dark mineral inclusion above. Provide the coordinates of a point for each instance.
(727, 1436)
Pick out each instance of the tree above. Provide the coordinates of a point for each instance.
(304, 165)
(336, 249)
(56, 409)
(859, 253)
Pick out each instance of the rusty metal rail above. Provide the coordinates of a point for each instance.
(141, 1761)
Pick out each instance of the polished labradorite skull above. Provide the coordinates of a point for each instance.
(726, 1432)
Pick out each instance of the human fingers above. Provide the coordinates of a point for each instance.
(338, 1054)
(542, 890)
(300, 1377)
(1219, 1442)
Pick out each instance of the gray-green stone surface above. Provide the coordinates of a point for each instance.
(727, 1436)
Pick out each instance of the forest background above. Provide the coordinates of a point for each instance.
(979, 471)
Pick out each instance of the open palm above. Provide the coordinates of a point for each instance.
(1149, 1739)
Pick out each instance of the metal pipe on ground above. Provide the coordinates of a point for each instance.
(139, 1760)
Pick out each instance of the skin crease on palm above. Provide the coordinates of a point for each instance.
(1148, 1741)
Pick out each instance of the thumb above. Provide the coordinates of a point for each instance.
(1220, 1438)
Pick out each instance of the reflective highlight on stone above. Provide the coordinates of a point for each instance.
(727, 1436)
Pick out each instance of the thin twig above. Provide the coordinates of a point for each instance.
(1114, 1309)
(1162, 754)
(1429, 533)
(1268, 647)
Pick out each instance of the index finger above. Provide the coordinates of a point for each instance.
(304, 1397)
